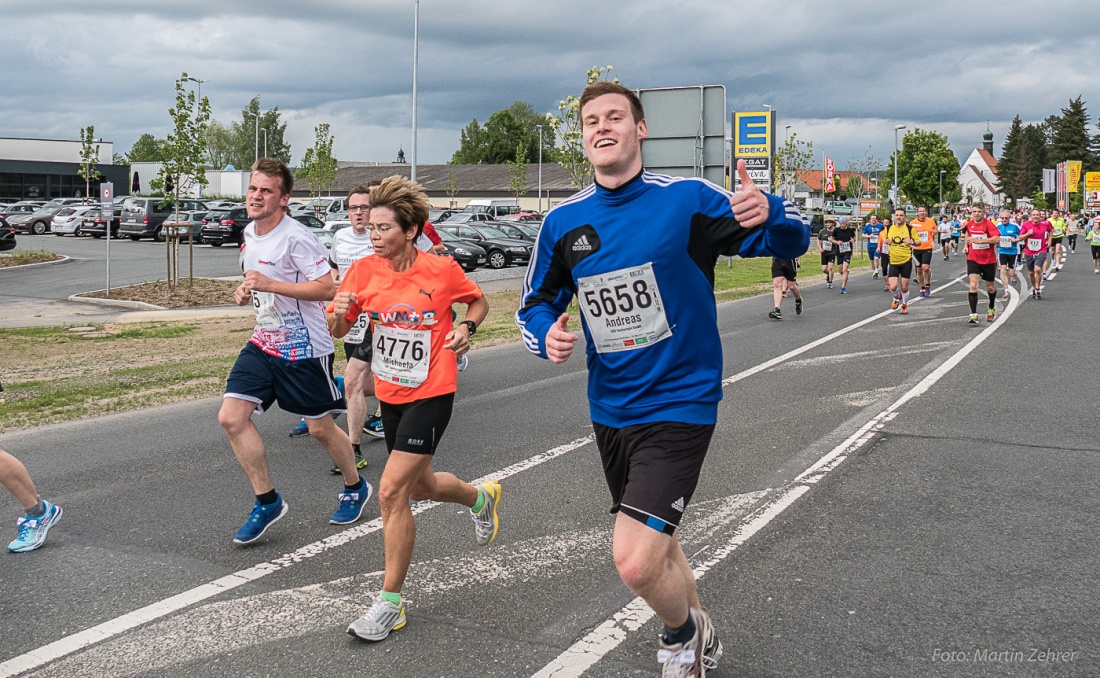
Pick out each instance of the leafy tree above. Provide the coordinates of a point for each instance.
(147, 148)
(923, 154)
(470, 145)
(1009, 177)
(118, 158)
(318, 166)
(248, 135)
(567, 124)
(503, 132)
(1039, 199)
(219, 145)
(1071, 137)
(517, 173)
(183, 166)
(89, 157)
(792, 159)
(853, 190)
(1033, 157)
(451, 185)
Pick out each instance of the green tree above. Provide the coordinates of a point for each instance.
(318, 166)
(1009, 176)
(147, 148)
(219, 145)
(470, 145)
(567, 125)
(1033, 157)
(1071, 137)
(792, 159)
(497, 141)
(248, 136)
(517, 172)
(1039, 199)
(923, 154)
(853, 189)
(451, 185)
(89, 158)
(183, 166)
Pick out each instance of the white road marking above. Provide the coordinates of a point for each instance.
(226, 626)
(841, 357)
(584, 654)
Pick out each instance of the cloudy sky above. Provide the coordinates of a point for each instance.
(841, 73)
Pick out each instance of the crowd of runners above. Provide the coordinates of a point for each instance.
(901, 250)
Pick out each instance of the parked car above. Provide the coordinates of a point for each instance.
(517, 230)
(95, 226)
(69, 220)
(324, 237)
(21, 207)
(39, 220)
(468, 218)
(436, 215)
(144, 217)
(321, 207)
(189, 224)
(468, 255)
(7, 236)
(502, 250)
(522, 216)
(222, 226)
(310, 220)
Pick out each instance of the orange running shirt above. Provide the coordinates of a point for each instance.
(925, 232)
(410, 314)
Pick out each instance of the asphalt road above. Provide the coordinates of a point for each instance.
(885, 495)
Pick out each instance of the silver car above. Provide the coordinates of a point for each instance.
(70, 219)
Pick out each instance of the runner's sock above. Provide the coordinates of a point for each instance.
(480, 503)
(394, 598)
(355, 448)
(992, 299)
(36, 510)
(356, 486)
(682, 634)
(973, 297)
(268, 497)
(905, 298)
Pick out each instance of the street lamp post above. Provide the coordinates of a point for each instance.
(416, 66)
(896, 128)
(265, 144)
(540, 167)
(786, 169)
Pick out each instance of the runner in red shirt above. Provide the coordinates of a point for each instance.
(982, 236)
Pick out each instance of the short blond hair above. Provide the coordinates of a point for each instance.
(406, 199)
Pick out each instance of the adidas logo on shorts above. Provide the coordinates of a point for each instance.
(581, 245)
(679, 504)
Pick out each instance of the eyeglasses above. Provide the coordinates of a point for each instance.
(380, 230)
(358, 208)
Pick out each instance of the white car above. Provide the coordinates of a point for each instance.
(70, 219)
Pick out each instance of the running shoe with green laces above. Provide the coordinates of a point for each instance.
(374, 427)
(775, 314)
(382, 617)
(32, 530)
(973, 319)
(360, 463)
(487, 522)
(990, 315)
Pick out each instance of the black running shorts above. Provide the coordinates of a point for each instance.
(923, 257)
(988, 272)
(827, 258)
(652, 469)
(901, 270)
(1008, 259)
(784, 268)
(417, 426)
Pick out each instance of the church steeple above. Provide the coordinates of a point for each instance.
(987, 140)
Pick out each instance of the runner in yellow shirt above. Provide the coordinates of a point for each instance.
(901, 239)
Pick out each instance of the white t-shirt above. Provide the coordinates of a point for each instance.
(288, 328)
(349, 247)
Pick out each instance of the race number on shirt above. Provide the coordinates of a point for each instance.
(1005, 242)
(885, 247)
(826, 246)
(401, 356)
(1034, 244)
(267, 315)
(845, 247)
(623, 309)
(924, 236)
(358, 331)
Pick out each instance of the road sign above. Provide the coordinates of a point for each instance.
(686, 131)
(106, 204)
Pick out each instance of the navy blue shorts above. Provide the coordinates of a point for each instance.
(304, 387)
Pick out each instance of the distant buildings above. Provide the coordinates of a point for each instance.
(978, 176)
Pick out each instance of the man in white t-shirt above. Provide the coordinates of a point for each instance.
(287, 280)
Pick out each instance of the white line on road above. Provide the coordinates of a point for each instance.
(583, 654)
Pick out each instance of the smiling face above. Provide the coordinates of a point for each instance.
(612, 139)
(922, 213)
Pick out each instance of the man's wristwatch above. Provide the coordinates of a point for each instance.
(470, 325)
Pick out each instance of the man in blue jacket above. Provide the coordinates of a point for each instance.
(638, 249)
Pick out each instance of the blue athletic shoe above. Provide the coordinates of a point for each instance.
(302, 429)
(263, 516)
(373, 427)
(463, 362)
(32, 531)
(352, 503)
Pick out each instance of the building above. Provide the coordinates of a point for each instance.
(978, 176)
(42, 169)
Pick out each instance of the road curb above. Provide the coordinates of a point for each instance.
(63, 260)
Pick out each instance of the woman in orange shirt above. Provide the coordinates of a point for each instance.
(407, 295)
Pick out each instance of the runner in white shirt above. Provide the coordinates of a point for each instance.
(288, 360)
(944, 231)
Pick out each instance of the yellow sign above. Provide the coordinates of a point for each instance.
(1092, 181)
(752, 135)
(1073, 175)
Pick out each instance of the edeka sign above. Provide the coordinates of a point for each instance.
(752, 135)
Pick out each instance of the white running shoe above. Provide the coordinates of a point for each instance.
(487, 522)
(382, 617)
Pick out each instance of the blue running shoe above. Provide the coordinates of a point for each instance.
(302, 429)
(373, 427)
(463, 362)
(352, 503)
(32, 531)
(339, 384)
(263, 516)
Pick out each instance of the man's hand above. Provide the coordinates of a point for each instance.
(750, 205)
(242, 295)
(342, 302)
(254, 280)
(559, 340)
